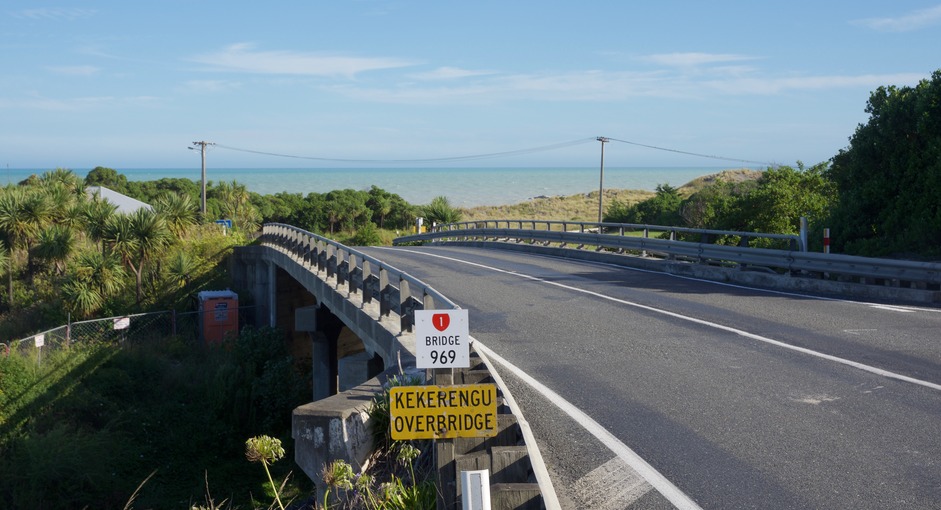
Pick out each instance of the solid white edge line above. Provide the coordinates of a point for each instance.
(659, 482)
(549, 496)
(817, 354)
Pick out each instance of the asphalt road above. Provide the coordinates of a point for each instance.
(733, 398)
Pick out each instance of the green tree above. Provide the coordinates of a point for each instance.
(136, 238)
(660, 209)
(784, 194)
(889, 178)
(345, 209)
(440, 211)
(180, 268)
(366, 235)
(97, 214)
(55, 245)
(718, 206)
(380, 201)
(178, 211)
(107, 177)
(94, 277)
(235, 203)
(23, 212)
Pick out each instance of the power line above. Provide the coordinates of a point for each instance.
(518, 152)
(470, 157)
(677, 151)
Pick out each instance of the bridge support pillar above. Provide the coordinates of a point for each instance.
(323, 328)
(272, 297)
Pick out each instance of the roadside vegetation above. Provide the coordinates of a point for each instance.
(880, 196)
(160, 419)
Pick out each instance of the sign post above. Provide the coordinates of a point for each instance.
(442, 339)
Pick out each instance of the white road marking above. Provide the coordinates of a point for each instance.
(666, 488)
(829, 357)
(611, 486)
(892, 308)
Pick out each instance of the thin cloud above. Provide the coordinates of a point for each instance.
(599, 86)
(693, 59)
(915, 20)
(74, 70)
(38, 102)
(244, 58)
(208, 86)
(449, 73)
(53, 14)
(771, 86)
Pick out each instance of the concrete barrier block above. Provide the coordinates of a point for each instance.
(334, 428)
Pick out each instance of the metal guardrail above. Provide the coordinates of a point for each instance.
(921, 275)
(707, 236)
(395, 290)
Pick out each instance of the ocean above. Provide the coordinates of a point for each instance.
(464, 187)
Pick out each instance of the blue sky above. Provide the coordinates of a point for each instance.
(131, 84)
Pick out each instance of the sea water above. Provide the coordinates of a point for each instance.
(464, 187)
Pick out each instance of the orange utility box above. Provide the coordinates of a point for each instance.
(218, 315)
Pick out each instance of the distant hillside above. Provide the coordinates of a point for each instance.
(739, 175)
(584, 206)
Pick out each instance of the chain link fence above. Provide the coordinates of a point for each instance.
(128, 328)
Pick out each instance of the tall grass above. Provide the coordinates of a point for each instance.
(86, 427)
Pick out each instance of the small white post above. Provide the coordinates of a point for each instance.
(475, 490)
(826, 240)
(803, 233)
(418, 223)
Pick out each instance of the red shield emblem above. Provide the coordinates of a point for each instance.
(441, 321)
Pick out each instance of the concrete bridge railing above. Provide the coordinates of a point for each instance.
(377, 302)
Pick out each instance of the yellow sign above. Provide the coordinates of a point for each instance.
(443, 412)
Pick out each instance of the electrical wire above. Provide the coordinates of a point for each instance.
(677, 151)
(472, 157)
(517, 152)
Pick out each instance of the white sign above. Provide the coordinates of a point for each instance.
(122, 323)
(40, 340)
(442, 339)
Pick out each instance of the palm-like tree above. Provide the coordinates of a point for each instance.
(15, 227)
(95, 277)
(136, 237)
(180, 268)
(236, 205)
(64, 177)
(55, 244)
(37, 212)
(178, 210)
(97, 214)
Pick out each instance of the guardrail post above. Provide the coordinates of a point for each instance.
(370, 283)
(385, 307)
(331, 260)
(342, 267)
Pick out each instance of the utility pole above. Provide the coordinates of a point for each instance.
(603, 141)
(202, 150)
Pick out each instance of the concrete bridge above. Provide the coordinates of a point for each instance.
(356, 314)
(650, 390)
